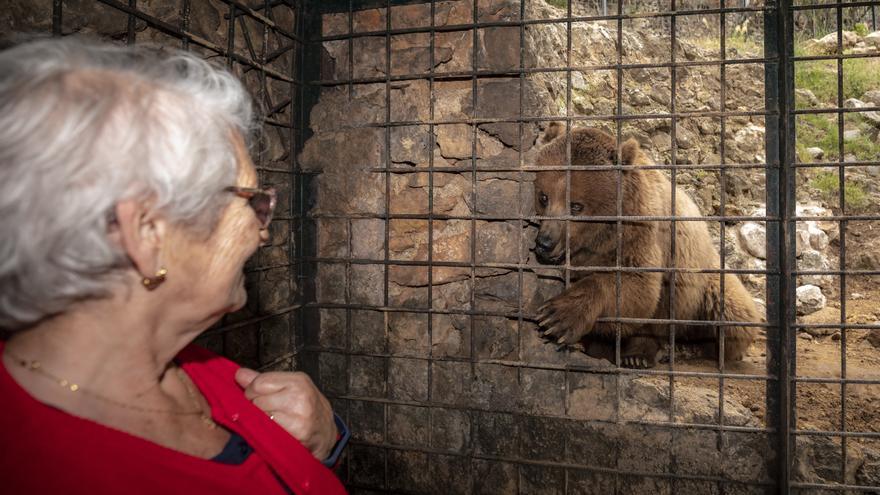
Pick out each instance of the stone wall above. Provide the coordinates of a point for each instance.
(262, 334)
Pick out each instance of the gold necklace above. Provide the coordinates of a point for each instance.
(205, 417)
(35, 366)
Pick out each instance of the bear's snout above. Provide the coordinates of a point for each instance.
(545, 244)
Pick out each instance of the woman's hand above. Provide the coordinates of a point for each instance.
(294, 402)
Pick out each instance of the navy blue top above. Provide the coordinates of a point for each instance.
(237, 450)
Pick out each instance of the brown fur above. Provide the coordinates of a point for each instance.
(572, 315)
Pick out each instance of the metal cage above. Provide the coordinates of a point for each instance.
(279, 48)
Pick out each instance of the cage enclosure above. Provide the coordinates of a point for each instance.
(405, 139)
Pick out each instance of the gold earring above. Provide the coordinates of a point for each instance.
(152, 282)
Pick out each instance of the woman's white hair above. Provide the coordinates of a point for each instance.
(84, 125)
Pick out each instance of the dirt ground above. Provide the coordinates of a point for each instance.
(819, 405)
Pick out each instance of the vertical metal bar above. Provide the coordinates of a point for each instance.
(475, 65)
(618, 113)
(779, 101)
(292, 136)
(348, 222)
(673, 161)
(57, 20)
(873, 17)
(473, 278)
(350, 49)
(185, 9)
(130, 29)
(841, 177)
(569, 127)
(230, 36)
(431, 62)
(387, 129)
(722, 237)
(307, 63)
(520, 180)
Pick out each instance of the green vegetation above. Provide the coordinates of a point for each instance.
(860, 76)
(828, 183)
(817, 130)
(562, 4)
(744, 44)
(861, 29)
(820, 130)
(820, 77)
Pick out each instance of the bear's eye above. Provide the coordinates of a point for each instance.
(543, 199)
(577, 207)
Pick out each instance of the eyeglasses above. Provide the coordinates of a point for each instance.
(262, 201)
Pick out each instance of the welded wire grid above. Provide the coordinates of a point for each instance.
(262, 335)
(781, 273)
(849, 220)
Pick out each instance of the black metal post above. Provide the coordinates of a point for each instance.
(779, 100)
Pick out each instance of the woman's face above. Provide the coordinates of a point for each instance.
(207, 273)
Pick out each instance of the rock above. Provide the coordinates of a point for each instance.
(828, 43)
(661, 141)
(818, 238)
(749, 140)
(753, 237)
(411, 54)
(853, 103)
(872, 117)
(499, 48)
(356, 148)
(867, 260)
(807, 95)
(815, 261)
(862, 49)
(873, 39)
(851, 134)
(494, 97)
(872, 97)
(809, 299)
(638, 98)
(868, 473)
(802, 240)
(685, 138)
(873, 338)
(820, 331)
(816, 153)
(454, 140)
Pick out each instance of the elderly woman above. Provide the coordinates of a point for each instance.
(128, 206)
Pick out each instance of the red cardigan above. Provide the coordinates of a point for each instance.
(44, 450)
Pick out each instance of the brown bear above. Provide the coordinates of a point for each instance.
(571, 316)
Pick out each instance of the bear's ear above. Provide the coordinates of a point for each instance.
(629, 152)
(553, 130)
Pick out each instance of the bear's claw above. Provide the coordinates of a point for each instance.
(561, 325)
(636, 362)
